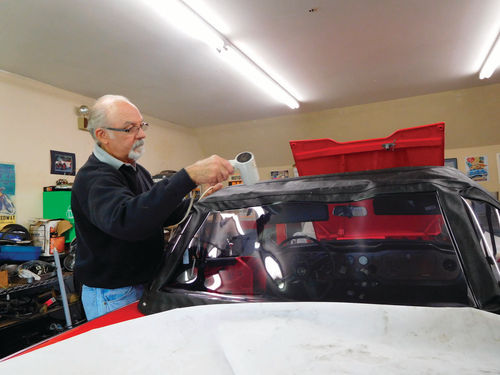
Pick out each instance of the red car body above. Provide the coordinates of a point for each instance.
(125, 313)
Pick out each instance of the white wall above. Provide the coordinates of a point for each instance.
(36, 118)
(491, 152)
(493, 182)
(472, 118)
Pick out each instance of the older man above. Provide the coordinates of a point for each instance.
(119, 213)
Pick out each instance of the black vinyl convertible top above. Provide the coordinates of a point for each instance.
(351, 186)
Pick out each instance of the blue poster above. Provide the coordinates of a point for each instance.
(7, 194)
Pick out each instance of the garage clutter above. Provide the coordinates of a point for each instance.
(49, 235)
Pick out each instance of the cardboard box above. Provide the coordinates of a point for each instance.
(48, 234)
(4, 279)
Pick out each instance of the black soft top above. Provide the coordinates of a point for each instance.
(352, 186)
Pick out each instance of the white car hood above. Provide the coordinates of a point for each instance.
(280, 338)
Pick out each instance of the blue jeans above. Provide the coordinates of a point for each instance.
(100, 301)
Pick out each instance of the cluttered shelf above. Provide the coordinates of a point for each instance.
(35, 290)
(24, 285)
(31, 311)
(39, 297)
(9, 322)
(29, 316)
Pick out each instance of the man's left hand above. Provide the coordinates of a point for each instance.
(212, 189)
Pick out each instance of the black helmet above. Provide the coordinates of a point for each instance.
(14, 234)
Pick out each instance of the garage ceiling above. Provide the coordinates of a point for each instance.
(330, 53)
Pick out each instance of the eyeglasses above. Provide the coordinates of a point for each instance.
(134, 129)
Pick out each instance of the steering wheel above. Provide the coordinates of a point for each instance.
(299, 237)
(306, 271)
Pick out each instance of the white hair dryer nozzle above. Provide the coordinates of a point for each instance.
(245, 162)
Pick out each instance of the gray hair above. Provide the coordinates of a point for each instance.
(98, 117)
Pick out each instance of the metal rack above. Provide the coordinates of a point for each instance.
(59, 280)
(35, 284)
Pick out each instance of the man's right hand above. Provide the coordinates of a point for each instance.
(210, 171)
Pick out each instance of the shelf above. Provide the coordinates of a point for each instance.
(10, 321)
(35, 284)
(19, 333)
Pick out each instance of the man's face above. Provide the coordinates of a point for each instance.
(127, 147)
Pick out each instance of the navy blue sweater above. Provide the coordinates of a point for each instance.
(119, 219)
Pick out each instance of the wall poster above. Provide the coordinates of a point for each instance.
(476, 168)
(277, 175)
(7, 194)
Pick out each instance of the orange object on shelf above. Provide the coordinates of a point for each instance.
(57, 243)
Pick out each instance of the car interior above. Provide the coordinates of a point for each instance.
(389, 249)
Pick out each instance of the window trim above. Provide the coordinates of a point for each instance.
(490, 257)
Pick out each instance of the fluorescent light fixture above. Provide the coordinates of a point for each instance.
(254, 73)
(208, 15)
(192, 23)
(185, 19)
(492, 60)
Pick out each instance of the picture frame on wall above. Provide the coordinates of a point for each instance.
(451, 162)
(476, 167)
(62, 163)
(277, 175)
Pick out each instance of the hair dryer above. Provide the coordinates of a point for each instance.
(245, 162)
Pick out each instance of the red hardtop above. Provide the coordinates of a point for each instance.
(417, 146)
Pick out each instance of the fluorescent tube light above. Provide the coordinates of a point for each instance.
(183, 18)
(492, 60)
(208, 15)
(192, 23)
(254, 73)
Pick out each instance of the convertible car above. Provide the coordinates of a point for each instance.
(424, 236)
(421, 236)
(384, 271)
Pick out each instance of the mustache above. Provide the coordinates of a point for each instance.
(137, 150)
(138, 143)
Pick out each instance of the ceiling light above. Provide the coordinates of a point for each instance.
(208, 15)
(192, 23)
(185, 19)
(492, 60)
(254, 73)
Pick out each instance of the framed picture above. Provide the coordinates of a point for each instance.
(62, 163)
(277, 175)
(476, 167)
(452, 162)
